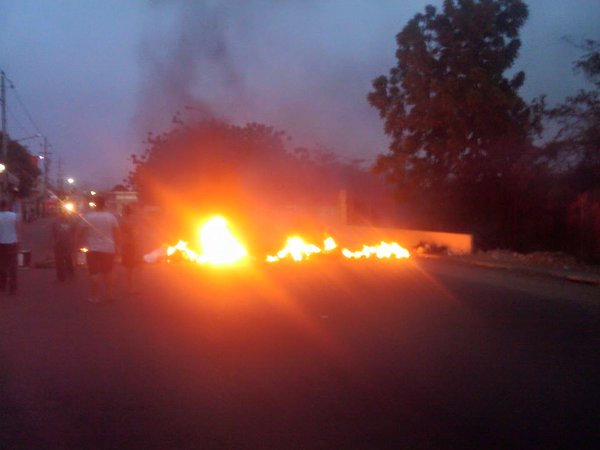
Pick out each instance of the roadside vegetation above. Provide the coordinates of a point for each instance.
(467, 152)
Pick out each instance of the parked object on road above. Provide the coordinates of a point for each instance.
(24, 258)
(155, 255)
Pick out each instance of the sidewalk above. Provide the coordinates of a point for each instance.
(586, 275)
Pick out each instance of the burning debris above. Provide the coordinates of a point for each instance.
(297, 249)
(219, 246)
(382, 250)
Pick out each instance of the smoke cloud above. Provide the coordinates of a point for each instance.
(282, 63)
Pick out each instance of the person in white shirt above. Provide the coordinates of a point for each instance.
(100, 232)
(10, 236)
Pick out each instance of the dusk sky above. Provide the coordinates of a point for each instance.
(96, 75)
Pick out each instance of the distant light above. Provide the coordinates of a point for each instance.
(91, 204)
(41, 156)
(70, 180)
(2, 167)
(93, 192)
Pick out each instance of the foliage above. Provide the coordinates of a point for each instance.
(589, 63)
(458, 127)
(23, 165)
(244, 172)
(575, 156)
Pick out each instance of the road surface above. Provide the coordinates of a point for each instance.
(324, 355)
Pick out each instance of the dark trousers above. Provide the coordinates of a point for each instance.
(8, 267)
(63, 258)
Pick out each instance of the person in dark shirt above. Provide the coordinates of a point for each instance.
(63, 243)
(129, 246)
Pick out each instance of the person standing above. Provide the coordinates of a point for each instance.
(129, 247)
(62, 238)
(10, 235)
(100, 232)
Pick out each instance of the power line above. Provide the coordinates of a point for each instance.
(47, 145)
(16, 120)
(20, 101)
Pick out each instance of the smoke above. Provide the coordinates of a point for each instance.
(291, 64)
(185, 67)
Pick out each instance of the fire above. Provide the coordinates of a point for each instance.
(295, 248)
(329, 244)
(381, 250)
(219, 246)
(298, 249)
(184, 250)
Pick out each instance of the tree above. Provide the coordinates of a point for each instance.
(23, 165)
(247, 174)
(575, 149)
(577, 141)
(457, 124)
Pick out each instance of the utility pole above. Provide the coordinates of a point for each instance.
(59, 178)
(46, 154)
(4, 133)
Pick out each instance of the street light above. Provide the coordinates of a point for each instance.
(2, 168)
(70, 180)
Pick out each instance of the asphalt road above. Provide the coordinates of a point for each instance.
(320, 355)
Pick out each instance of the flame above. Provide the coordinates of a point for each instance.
(329, 244)
(295, 248)
(219, 245)
(184, 250)
(298, 249)
(381, 250)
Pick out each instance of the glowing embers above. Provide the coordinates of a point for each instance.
(218, 245)
(298, 250)
(382, 250)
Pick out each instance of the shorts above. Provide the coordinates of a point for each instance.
(100, 262)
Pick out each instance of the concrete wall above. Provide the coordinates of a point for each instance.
(352, 235)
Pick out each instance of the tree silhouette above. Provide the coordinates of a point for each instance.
(575, 153)
(23, 165)
(457, 124)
